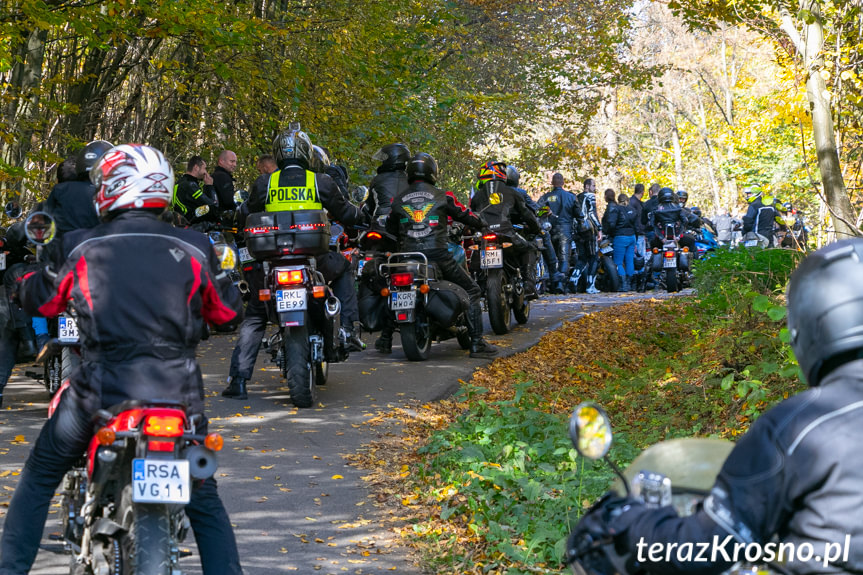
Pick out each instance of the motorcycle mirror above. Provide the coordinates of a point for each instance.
(240, 196)
(227, 259)
(40, 228)
(202, 210)
(590, 431)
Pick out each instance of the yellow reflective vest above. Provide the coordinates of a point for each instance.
(292, 198)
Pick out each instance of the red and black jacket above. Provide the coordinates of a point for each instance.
(142, 290)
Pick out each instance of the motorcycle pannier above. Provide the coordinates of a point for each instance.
(372, 306)
(301, 232)
(446, 301)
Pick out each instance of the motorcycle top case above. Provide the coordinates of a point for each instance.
(446, 301)
(274, 234)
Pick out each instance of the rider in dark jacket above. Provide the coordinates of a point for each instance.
(419, 220)
(500, 205)
(796, 474)
(193, 190)
(70, 203)
(668, 213)
(586, 237)
(142, 290)
(390, 181)
(763, 214)
(566, 215)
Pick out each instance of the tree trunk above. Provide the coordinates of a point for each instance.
(809, 47)
(678, 152)
(612, 144)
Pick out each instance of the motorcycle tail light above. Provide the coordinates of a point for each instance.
(402, 316)
(214, 442)
(489, 237)
(289, 277)
(106, 436)
(374, 236)
(262, 230)
(402, 279)
(163, 426)
(385, 292)
(685, 250)
(669, 254)
(319, 292)
(157, 445)
(424, 288)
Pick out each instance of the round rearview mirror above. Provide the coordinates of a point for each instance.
(40, 228)
(590, 431)
(13, 209)
(241, 196)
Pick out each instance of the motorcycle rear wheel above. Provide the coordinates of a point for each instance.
(671, 284)
(607, 278)
(416, 339)
(498, 306)
(521, 308)
(299, 372)
(145, 548)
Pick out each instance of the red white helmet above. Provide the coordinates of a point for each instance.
(132, 176)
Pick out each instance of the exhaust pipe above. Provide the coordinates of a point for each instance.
(332, 307)
(243, 286)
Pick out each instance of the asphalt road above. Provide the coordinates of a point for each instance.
(295, 504)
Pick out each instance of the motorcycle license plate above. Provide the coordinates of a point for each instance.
(403, 300)
(750, 243)
(67, 329)
(160, 481)
(669, 263)
(2, 260)
(291, 300)
(606, 249)
(245, 256)
(491, 259)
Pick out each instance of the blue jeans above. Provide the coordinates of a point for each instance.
(624, 252)
(62, 441)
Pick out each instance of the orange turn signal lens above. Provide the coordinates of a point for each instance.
(385, 292)
(685, 249)
(214, 442)
(319, 292)
(656, 250)
(105, 436)
(424, 288)
(264, 295)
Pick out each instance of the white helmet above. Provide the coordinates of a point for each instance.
(132, 176)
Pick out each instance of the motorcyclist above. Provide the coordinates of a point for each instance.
(668, 212)
(143, 290)
(564, 207)
(418, 219)
(193, 190)
(70, 203)
(294, 154)
(390, 180)
(500, 205)
(762, 214)
(586, 236)
(795, 475)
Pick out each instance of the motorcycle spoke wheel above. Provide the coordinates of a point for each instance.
(298, 358)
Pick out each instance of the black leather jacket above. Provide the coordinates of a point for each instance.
(760, 218)
(499, 205)
(587, 207)
(419, 218)
(71, 205)
(796, 475)
(223, 182)
(383, 188)
(564, 205)
(192, 193)
(671, 213)
(142, 290)
(329, 195)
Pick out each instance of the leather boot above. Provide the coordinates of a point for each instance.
(384, 343)
(236, 388)
(478, 346)
(352, 336)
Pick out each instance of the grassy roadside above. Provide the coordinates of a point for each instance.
(488, 482)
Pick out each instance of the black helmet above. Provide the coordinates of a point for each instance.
(666, 195)
(512, 176)
(87, 156)
(422, 167)
(695, 210)
(825, 309)
(320, 160)
(293, 144)
(393, 156)
(683, 195)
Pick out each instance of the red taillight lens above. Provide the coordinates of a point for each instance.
(154, 445)
(402, 279)
(163, 426)
(262, 230)
(402, 316)
(374, 236)
(669, 254)
(289, 277)
(489, 237)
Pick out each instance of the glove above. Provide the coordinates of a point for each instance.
(14, 279)
(595, 533)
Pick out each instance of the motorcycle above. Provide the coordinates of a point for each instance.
(678, 472)
(607, 278)
(123, 505)
(423, 307)
(500, 279)
(299, 301)
(61, 354)
(672, 261)
(705, 242)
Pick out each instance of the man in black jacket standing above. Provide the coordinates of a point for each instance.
(143, 290)
(223, 179)
(193, 190)
(566, 214)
